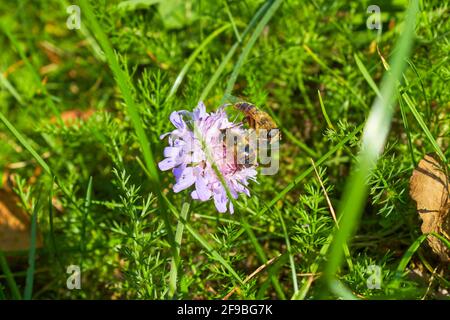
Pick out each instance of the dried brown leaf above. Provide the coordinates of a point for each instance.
(429, 187)
(14, 224)
(71, 117)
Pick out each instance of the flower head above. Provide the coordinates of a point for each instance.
(197, 149)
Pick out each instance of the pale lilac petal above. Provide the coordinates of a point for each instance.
(231, 207)
(198, 154)
(186, 180)
(177, 120)
(178, 171)
(236, 188)
(179, 143)
(202, 189)
(194, 195)
(167, 164)
(171, 152)
(199, 112)
(164, 135)
(220, 201)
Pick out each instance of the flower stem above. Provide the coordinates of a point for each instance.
(178, 238)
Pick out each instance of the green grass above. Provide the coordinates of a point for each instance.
(93, 191)
(374, 138)
(27, 295)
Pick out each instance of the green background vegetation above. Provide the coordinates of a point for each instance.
(99, 201)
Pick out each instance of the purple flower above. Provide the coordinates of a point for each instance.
(192, 160)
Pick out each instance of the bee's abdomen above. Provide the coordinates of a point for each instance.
(244, 107)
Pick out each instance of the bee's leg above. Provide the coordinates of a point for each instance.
(250, 121)
(235, 125)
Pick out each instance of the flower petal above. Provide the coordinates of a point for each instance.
(185, 180)
(166, 164)
(231, 207)
(203, 192)
(172, 152)
(199, 112)
(177, 120)
(164, 135)
(220, 200)
(178, 171)
(194, 195)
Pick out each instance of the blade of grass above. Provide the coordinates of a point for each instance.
(341, 290)
(174, 265)
(254, 241)
(233, 23)
(308, 171)
(86, 207)
(337, 75)
(8, 86)
(423, 126)
(196, 235)
(133, 5)
(413, 248)
(374, 137)
(25, 144)
(409, 253)
(123, 83)
(324, 111)
(305, 91)
(422, 86)
(192, 58)
(301, 294)
(262, 257)
(212, 81)
(15, 293)
(333, 214)
(33, 71)
(372, 84)
(96, 50)
(280, 195)
(291, 256)
(206, 245)
(53, 248)
(251, 42)
(428, 73)
(407, 130)
(442, 238)
(272, 270)
(406, 99)
(27, 295)
(366, 75)
(299, 143)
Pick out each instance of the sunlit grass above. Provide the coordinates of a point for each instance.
(82, 111)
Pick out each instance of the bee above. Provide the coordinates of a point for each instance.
(239, 150)
(258, 119)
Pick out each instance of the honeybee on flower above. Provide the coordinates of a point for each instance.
(197, 147)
